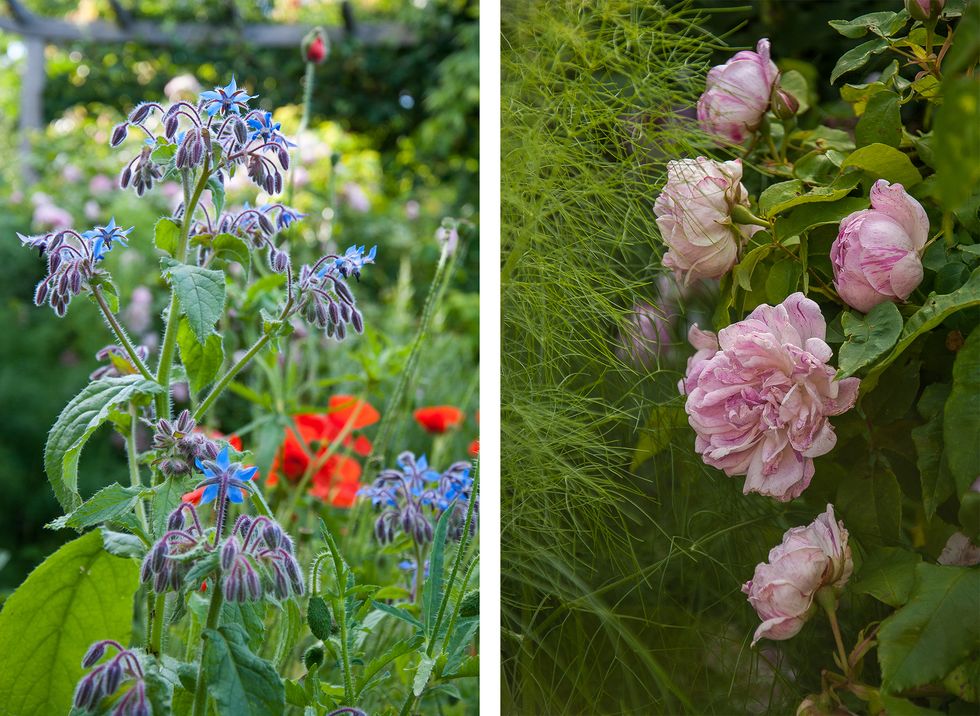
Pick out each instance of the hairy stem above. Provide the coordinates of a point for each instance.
(120, 334)
(156, 629)
(170, 333)
(463, 542)
(200, 689)
(134, 468)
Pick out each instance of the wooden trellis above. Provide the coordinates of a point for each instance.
(38, 31)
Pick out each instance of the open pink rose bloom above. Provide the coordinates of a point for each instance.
(876, 256)
(759, 396)
(736, 96)
(694, 217)
(782, 591)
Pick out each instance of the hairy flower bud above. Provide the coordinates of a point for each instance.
(272, 535)
(313, 657)
(94, 653)
(229, 553)
(124, 178)
(119, 134)
(113, 677)
(176, 520)
(140, 113)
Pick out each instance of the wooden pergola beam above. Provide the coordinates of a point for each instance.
(51, 30)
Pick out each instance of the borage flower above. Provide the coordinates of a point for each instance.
(438, 419)
(353, 260)
(227, 99)
(225, 477)
(102, 238)
(265, 129)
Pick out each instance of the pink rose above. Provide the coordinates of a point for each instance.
(876, 255)
(694, 217)
(759, 404)
(737, 94)
(782, 591)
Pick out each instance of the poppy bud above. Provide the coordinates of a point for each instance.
(313, 657)
(315, 47)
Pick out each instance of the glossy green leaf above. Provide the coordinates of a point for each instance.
(870, 502)
(202, 361)
(881, 23)
(857, 57)
(200, 294)
(933, 312)
(782, 279)
(887, 574)
(75, 425)
(795, 83)
(883, 162)
(961, 419)
(934, 632)
(868, 337)
(239, 682)
(77, 596)
(803, 218)
(108, 503)
(881, 121)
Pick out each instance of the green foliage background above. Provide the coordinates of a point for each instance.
(622, 581)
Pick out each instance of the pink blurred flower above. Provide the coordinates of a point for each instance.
(92, 210)
(737, 93)
(101, 184)
(71, 174)
(448, 237)
(301, 177)
(876, 256)
(49, 216)
(138, 315)
(412, 210)
(182, 87)
(354, 196)
(782, 591)
(760, 403)
(694, 216)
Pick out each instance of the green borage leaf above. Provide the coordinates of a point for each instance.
(108, 503)
(239, 682)
(202, 360)
(75, 425)
(200, 294)
(79, 595)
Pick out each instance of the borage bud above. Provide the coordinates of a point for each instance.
(140, 113)
(124, 178)
(278, 260)
(94, 653)
(41, 293)
(119, 134)
(176, 520)
(229, 553)
(86, 691)
(272, 536)
(357, 320)
(159, 555)
(170, 126)
(112, 678)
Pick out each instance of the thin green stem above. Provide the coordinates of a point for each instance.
(463, 542)
(459, 603)
(223, 382)
(200, 689)
(156, 631)
(826, 598)
(120, 334)
(170, 333)
(134, 468)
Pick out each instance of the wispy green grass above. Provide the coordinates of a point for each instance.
(620, 588)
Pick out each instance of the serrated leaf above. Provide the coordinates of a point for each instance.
(202, 361)
(881, 121)
(934, 632)
(883, 162)
(933, 312)
(881, 23)
(868, 337)
(961, 416)
(166, 234)
(239, 682)
(200, 295)
(887, 574)
(77, 596)
(75, 425)
(108, 503)
(857, 57)
(422, 674)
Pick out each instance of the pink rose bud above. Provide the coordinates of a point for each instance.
(737, 94)
(759, 402)
(782, 591)
(924, 9)
(694, 213)
(876, 256)
(784, 105)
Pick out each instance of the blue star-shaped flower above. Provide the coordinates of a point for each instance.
(267, 130)
(286, 215)
(223, 470)
(351, 263)
(226, 99)
(102, 238)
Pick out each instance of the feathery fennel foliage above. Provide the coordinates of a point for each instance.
(620, 593)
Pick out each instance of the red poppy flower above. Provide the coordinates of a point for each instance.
(439, 418)
(343, 407)
(194, 497)
(475, 448)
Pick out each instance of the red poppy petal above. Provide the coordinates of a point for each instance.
(475, 448)
(342, 408)
(439, 418)
(194, 497)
